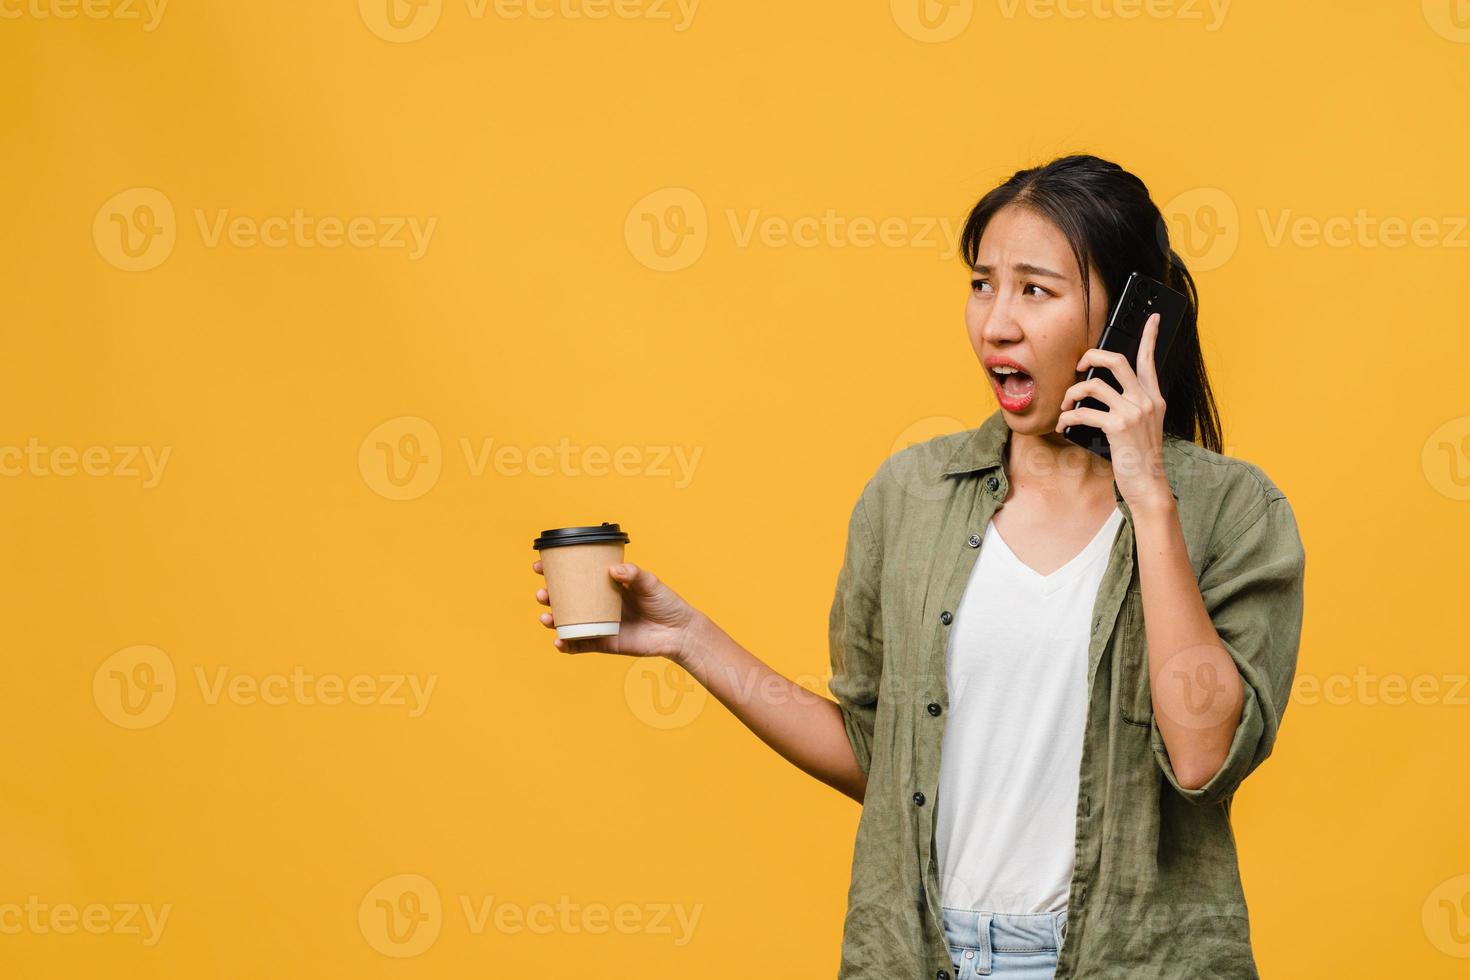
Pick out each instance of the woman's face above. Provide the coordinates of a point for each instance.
(1026, 311)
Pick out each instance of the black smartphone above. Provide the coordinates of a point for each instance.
(1141, 298)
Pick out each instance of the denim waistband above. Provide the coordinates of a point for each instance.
(1004, 932)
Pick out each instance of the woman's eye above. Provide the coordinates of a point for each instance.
(983, 285)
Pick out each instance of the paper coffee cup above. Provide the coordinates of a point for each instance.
(585, 601)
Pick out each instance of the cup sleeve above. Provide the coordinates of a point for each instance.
(855, 634)
(1253, 590)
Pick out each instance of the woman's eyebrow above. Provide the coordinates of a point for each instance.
(1025, 268)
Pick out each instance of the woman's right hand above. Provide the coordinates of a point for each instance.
(657, 622)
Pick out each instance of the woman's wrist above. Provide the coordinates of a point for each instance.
(694, 641)
(1158, 507)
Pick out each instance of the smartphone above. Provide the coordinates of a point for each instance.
(1142, 297)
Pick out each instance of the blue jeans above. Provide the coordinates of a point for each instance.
(1004, 946)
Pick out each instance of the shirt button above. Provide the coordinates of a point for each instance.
(992, 483)
(934, 708)
(946, 618)
(918, 799)
(974, 541)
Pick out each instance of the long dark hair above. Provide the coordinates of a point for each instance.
(1111, 222)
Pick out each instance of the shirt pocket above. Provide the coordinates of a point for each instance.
(1135, 698)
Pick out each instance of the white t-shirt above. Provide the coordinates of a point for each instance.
(1012, 750)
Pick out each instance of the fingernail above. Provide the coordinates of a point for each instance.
(621, 569)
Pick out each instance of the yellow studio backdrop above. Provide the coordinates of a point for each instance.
(315, 314)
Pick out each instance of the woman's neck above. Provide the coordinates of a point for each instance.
(1057, 468)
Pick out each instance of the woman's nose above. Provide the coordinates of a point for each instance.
(1000, 322)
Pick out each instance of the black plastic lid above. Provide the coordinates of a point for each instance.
(594, 534)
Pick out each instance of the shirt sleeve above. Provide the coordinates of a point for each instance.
(855, 633)
(1253, 591)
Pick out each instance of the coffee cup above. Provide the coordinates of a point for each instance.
(585, 601)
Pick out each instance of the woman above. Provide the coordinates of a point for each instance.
(1052, 671)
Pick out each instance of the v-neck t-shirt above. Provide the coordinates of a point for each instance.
(1012, 748)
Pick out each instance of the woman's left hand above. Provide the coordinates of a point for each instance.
(1134, 421)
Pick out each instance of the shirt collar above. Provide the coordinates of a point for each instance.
(984, 449)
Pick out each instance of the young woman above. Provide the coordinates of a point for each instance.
(1052, 671)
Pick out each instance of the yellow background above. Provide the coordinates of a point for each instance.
(545, 150)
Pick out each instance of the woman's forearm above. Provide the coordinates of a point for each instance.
(1182, 642)
(804, 727)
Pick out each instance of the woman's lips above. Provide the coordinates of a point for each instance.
(1014, 391)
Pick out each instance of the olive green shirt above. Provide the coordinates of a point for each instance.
(1156, 889)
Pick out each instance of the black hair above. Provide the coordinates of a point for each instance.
(1112, 223)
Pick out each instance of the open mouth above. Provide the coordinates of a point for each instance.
(1013, 387)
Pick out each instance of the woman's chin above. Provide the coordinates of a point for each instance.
(1033, 423)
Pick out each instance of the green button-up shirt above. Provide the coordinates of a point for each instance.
(1156, 887)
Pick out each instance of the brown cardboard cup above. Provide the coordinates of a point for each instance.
(585, 601)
